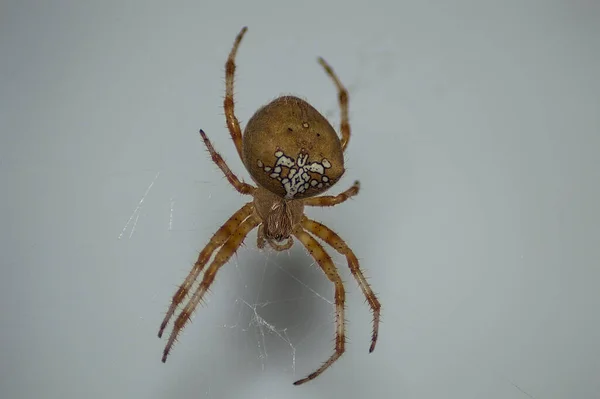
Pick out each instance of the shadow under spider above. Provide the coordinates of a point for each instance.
(286, 293)
(280, 292)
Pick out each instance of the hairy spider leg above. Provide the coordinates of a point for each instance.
(332, 238)
(227, 250)
(343, 101)
(216, 241)
(331, 200)
(324, 261)
(240, 186)
(228, 104)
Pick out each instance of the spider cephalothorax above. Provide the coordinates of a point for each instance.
(293, 154)
(279, 217)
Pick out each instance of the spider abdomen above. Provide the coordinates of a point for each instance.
(291, 150)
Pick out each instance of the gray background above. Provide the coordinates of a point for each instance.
(475, 139)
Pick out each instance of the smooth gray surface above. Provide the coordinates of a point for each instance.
(476, 139)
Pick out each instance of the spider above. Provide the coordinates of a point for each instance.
(293, 154)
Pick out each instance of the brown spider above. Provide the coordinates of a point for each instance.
(292, 154)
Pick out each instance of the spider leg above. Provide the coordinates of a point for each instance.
(228, 104)
(343, 100)
(227, 250)
(331, 238)
(217, 240)
(241, 187)
(260, 237)
(317, 251)
(331, 200)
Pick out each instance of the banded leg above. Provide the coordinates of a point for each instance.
(228, 104)
(240, 186)
(343, 101)
(217, 240)
(227, 250)
(331, 238)
(317, 251)
(331, 200)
